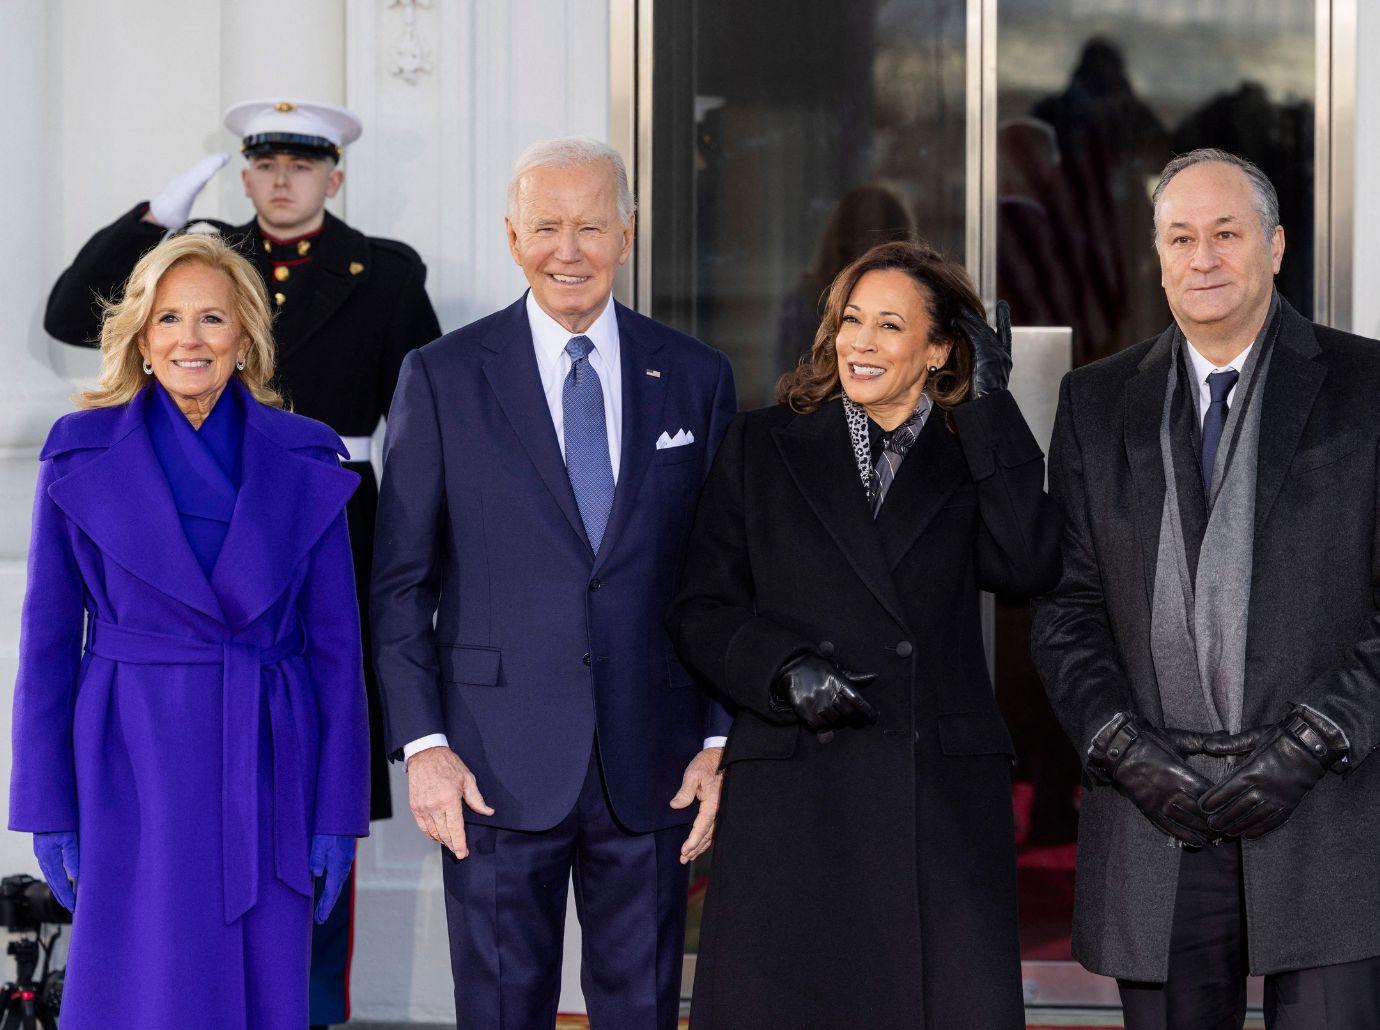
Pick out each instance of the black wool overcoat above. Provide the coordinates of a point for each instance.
(868, 880)
(1312, 636)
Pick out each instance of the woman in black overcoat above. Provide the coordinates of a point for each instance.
(864, 869)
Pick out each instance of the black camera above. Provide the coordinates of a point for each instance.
(26, 906)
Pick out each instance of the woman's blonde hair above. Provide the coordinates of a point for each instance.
(947, 291)
(124, 321)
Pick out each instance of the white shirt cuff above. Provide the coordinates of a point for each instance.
(422, 743)
(715, 741)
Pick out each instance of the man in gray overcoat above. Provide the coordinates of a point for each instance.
(1213, 648)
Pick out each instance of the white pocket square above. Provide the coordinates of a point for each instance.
(682, 437)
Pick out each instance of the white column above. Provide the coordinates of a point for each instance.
(268, 48)
(432, 170)
(31, 393)
(1366, 240)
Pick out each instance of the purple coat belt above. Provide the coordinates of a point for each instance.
(243, 697)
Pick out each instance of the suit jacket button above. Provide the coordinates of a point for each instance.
(595, 585)
(826, 648)
(903, 649)
(585, 658)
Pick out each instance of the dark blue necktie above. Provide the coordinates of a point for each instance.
(1219, 385)
(586, 441)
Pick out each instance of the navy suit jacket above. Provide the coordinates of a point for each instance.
(538, 643)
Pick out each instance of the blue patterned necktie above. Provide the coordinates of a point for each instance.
(1219, 385)
(587, 441)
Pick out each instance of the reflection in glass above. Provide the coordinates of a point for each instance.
(1094, 97)
(788, 138)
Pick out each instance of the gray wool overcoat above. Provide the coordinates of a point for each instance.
(1313, 635)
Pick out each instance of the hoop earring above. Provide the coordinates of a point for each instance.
(240, 364)
(148, 369)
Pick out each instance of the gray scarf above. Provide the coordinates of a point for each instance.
(1198, 625)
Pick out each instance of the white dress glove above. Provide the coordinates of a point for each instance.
(172, 205)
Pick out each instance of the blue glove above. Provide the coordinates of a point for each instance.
(331, 857)
(57, 857)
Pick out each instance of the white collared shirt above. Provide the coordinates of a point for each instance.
(549, 338)
(1202, 368)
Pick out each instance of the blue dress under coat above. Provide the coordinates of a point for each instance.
(190, 699)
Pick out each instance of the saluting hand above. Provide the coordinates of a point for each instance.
(439, 786)
(172, 205)
(703, 781)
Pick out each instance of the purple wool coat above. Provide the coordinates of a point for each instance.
(194, 730)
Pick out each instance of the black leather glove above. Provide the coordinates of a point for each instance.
(991, 349)
(823, 696)
(1287, 762)
(1142, 764)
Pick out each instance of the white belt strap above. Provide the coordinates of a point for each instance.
(358, 446)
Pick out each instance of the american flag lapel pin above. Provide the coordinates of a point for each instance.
(654, 373)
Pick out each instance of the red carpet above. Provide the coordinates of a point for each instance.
(1044, 875)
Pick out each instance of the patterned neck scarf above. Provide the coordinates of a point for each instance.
(877, 480)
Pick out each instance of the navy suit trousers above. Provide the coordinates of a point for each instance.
(506, 905)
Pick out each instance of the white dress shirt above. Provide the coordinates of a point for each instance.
(549, 338)
(1202, 368)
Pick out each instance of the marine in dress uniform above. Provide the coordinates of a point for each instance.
(349, 308)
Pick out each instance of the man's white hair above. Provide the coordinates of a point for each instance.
(564, 153)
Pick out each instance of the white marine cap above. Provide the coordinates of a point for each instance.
(292, 126)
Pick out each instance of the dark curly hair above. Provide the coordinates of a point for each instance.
(947, 291)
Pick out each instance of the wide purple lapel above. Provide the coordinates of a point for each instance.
(121, 500)
(287, 500)
(644, 397)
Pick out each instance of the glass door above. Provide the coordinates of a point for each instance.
(786, 139)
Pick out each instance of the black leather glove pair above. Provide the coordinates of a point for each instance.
(991, 348)
(1284, 762)
(823, 696)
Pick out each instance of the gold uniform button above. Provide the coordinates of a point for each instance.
(278, 299)
(356, 268)
(268, 247)
(281, 273)
(303, 247)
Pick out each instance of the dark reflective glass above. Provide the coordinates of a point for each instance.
(789, 137)
(1094, 98)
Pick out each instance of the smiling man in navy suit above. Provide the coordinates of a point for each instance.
(540, 472)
